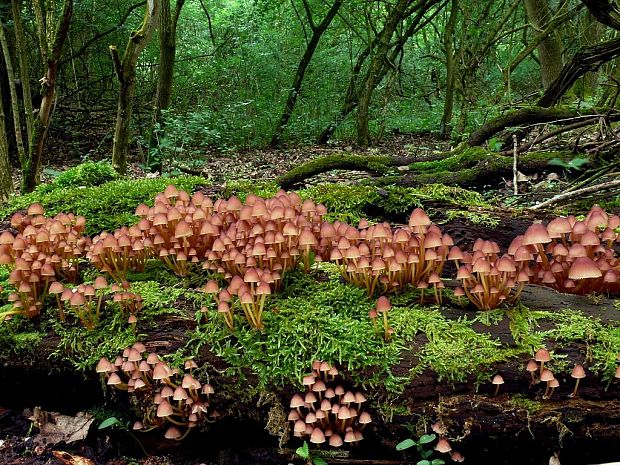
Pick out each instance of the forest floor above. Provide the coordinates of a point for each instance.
(230, 442)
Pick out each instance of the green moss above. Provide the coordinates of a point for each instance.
(241, 189)
(350, 203)
(18, 337)
(106, 207)
(328, 321)
(84, 348)
(87, 174)
(522, 402)
(484, 219)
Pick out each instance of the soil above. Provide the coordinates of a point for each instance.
(488, 428)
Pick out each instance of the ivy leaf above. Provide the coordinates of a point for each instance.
(406, 444)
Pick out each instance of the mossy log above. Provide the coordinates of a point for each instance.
(371, 163)
(465, 167)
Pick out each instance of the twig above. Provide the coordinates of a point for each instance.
(577, 193)
(515, 171)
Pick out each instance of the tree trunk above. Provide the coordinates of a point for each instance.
(376, 69)
(550, 48)
(6, 182)
(167, 53)
(21, 151)
(31, 170)
(24, 65)
(125, 70)
(317, 33)
(605, 11)
(446, 118)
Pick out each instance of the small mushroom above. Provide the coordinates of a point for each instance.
(577, 373)
(498, 381)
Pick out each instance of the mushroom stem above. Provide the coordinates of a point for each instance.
(496, 390)
(574, 394)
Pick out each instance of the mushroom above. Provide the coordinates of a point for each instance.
(578, 372)
(498, 381)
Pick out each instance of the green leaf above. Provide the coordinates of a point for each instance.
(406, 444)
(426, 438)
(112, 421)
(426, 453)
(424, 462)
(303, 451)
(319, 461)
(438, 462)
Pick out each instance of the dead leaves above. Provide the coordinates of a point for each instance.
(68, 459)
(55, 428)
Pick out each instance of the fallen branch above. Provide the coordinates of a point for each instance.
(577, 193)
(371, 163)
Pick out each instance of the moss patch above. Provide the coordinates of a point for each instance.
(106, 207)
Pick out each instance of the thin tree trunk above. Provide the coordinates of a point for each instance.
(167, 52)
(378, 62)
(125, 70)
(448, 106)
(550, 48)
(24, 65)
(317, 33)
(21, 151)
(31, 171)
(6, 181)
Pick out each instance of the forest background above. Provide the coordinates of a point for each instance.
(166, 83)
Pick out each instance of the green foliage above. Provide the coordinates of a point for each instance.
(242, 189)
(424, 447)
(304, 453)
(574, 164)
(106, 207)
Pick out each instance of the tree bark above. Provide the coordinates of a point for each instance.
(24, 65)
(125, 70)
(19, 140)
(550, 48)
(167, 52)
(6, 182)
(31, 171)
(317, 33)
(605, 11)
(589, 59)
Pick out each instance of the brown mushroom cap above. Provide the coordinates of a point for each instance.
(497, 379)
(578, 372)
(584, 267)
(443, 446)
(542, 355)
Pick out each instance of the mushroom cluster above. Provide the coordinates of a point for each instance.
(487, 279)
(327, 412)
(572, 256)
(43, 251)
(83, 302)
(165, 397)
(385, 259)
